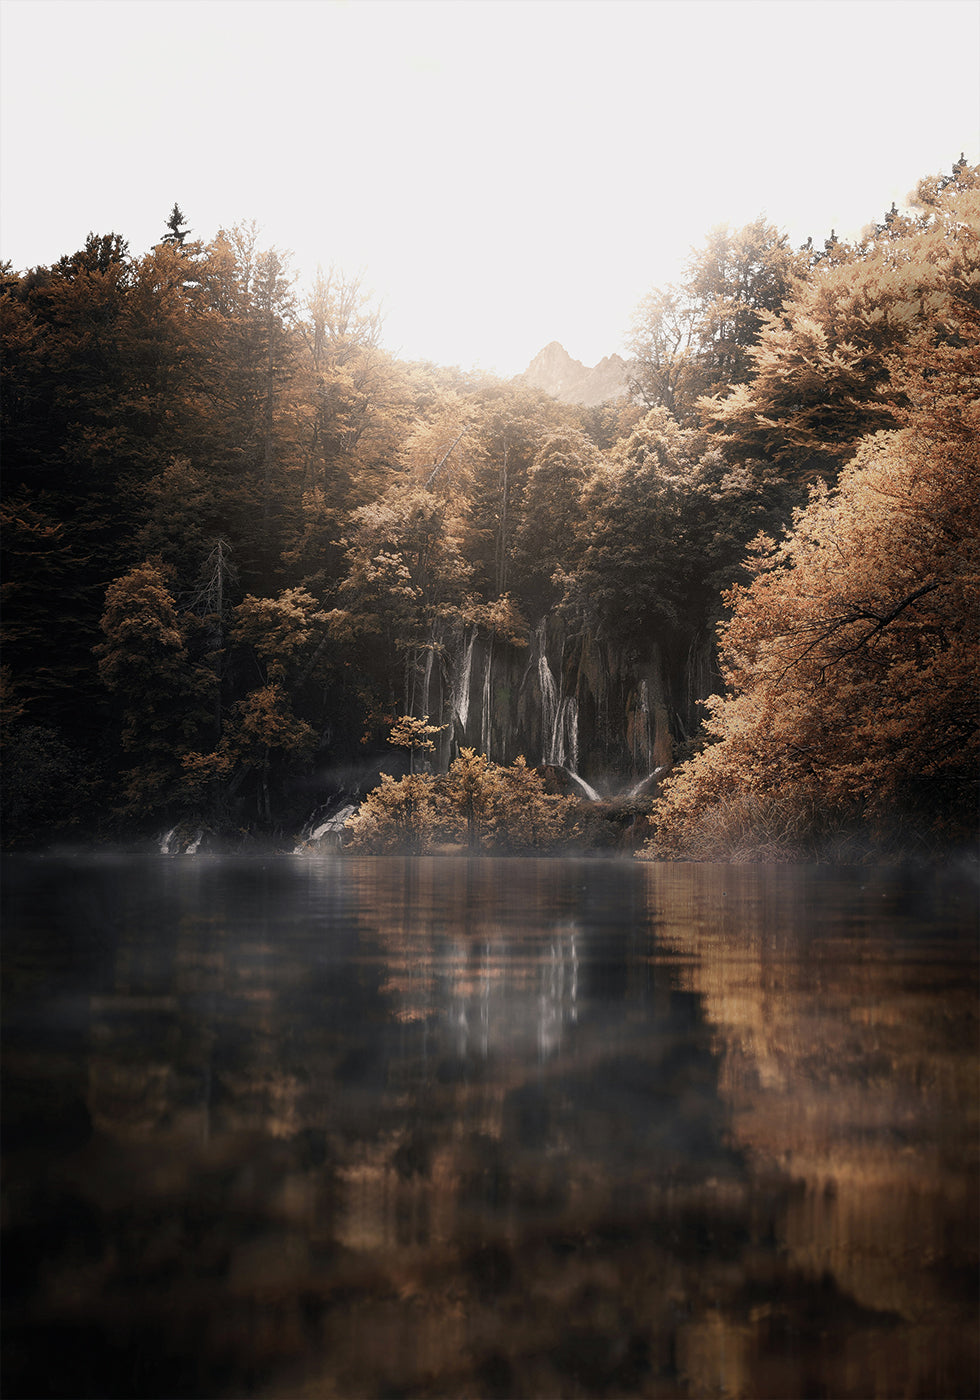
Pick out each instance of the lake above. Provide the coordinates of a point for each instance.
(330, 1127)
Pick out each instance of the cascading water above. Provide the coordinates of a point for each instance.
(426, 680)
(645, 712)
(550, 711)
(178, 842)
(563, 747)
(325, 828)
(461, 690)
(487, 701)
(646, 785)
(586, 789)
(559, 723)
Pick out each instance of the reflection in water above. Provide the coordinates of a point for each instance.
(848, 1060)
(470, 1128)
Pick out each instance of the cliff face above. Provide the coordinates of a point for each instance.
(568, 380)
(564, 700)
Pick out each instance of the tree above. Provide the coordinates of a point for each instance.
(820, 378)
(477, 804)
(405, 585)
(51, 609)
(734, 282)
(853, 658)
(696, 338)
(525, 816)
(252, 449)
(47, 783)
(164, 700)
(176, 232)
(358, 401)
(469, 797)
(396, 816)
(510, 424)
(278, 643)
(549, 541)
(667, 528)
(263, 735)
(663, 345)
(416, 735)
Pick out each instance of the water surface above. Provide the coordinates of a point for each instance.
(426, 1127)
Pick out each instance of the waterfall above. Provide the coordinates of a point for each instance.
(426, 679)
(559, 721)
(461, 689)
(645, 785)
(325, 828)
(487, 700)
(176, 842)
(585, 788)
(564, 743)
(550, 711)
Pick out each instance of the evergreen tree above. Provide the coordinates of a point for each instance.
(176, 232)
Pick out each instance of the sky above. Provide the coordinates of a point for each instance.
(500, 173)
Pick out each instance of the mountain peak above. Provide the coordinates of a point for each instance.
(569, 381)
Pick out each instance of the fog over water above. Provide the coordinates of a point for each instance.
(470, 1127)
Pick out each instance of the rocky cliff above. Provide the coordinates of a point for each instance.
(564, 700)
(554, 371)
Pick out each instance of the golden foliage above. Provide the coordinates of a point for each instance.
(853, 658)
(477, 805)
(821, 367)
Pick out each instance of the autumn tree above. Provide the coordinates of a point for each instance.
(477, 805)
(356, 403)
(695, 338)
(416, 735)
(397, 816)
(405, 585)
(820, 372)
(853, 657)
(526, 817)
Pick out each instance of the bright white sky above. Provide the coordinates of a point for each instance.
(505, 173)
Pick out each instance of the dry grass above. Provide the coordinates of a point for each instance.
(751, 828)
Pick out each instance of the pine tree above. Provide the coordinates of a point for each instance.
(176, 232)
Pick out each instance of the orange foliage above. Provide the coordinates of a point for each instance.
(853, 658)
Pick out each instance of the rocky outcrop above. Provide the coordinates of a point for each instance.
(569, 381)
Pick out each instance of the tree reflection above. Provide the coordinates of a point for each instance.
(494, 1127)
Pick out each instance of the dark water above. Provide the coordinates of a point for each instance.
(488, 1128)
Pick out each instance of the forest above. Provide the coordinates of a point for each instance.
(264, 582)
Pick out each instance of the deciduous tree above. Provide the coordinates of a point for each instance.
(853, 658)
(820, 373)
